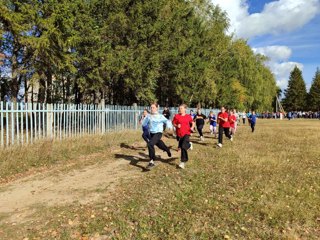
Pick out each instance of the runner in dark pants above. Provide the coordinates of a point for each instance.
(253, 120)
(155, 122)
(224, 126)
(146, 133)
(182, 123)
(199, 118)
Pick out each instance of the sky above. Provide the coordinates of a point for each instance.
(286, 31)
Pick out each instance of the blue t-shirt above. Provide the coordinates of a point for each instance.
(253, 118)
(213, 121)
(145, 129)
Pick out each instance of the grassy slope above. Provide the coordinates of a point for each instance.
(264, 185)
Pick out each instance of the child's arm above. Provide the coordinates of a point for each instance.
(145, 121)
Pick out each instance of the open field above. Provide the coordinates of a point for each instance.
(264, 185)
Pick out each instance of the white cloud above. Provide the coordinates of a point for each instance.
(278, 62)
(237, 10)
(279, 16)
(276, 17)
(276, 53)
(282, 71)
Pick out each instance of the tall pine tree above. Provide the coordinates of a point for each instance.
(296, 93)
(314, 93)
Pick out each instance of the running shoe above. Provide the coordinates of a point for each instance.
(219, 145)
(181, 165)
(191, 146)
(150, 165)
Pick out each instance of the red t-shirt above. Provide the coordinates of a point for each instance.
(185, 122)
(224, 124)
(231, 119)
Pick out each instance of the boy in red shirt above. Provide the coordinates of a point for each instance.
(181, 122)
(224, 126)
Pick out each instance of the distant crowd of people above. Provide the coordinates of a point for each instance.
(183, 125)
(290, 115)
(301, 114)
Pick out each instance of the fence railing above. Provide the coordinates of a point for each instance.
(26, 123)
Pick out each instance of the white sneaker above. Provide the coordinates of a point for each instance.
(219, 145)
(201, 138)
(181, 165)
(191, 146)
(231, 139)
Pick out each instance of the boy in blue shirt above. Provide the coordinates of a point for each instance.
(155, 123)
(253, 120)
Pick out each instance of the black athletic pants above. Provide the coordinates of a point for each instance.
(184, 145)
(222, 130)
(156, 140)
(146, 136)
(199, 128)
(252, 126)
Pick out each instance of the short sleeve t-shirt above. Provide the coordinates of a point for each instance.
(213, 121)
(200, 119)
(224, 124)
(232, 120)
(253, 118)
(185, 122)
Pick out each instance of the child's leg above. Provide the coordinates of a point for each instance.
(211, 129)
(215, 131)
(185, 145)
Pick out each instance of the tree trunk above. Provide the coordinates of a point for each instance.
(49, 86)
(42, 89)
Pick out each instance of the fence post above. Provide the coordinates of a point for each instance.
(136, 114)
(49, 120)
(103, 116)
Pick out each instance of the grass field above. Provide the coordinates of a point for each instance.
(264, 185)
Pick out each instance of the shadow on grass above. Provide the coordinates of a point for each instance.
(144, 158)
(124, 145)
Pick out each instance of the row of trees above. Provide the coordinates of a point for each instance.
(296, 96)
(129, 51)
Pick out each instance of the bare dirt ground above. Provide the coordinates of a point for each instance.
(63, 185)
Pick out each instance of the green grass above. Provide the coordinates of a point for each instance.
(264, 185)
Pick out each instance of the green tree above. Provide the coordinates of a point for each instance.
(296, 93)
(314, 93)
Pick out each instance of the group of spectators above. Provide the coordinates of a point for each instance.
(289, 115)
(302, 114)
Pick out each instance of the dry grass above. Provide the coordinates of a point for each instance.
(19, 161)
(264, 185)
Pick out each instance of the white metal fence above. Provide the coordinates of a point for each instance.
(26, 123)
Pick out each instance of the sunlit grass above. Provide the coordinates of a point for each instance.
(264, 185)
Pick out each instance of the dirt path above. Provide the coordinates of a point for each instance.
(21, 198)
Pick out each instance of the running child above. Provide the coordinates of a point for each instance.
(233, 122)
(253, 120)
(182, 123)
(155, 122)
(213, 124)
(224, 126)
(199, 119)
(145, 129)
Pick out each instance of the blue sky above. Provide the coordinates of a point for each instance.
(287, 31)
